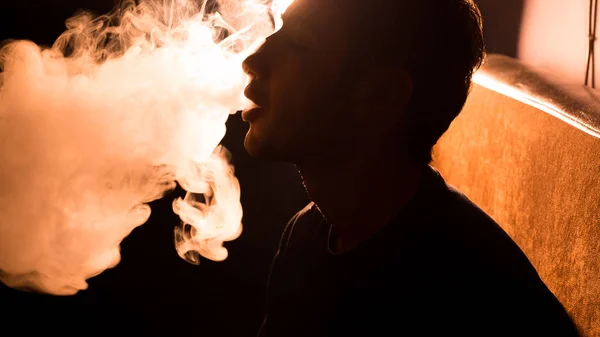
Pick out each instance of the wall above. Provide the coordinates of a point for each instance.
(554, 36)
(547, 34)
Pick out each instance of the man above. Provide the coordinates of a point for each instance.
(355, 93)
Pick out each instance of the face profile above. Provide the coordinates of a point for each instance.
(304, 86)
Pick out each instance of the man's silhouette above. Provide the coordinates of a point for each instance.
(355, 93)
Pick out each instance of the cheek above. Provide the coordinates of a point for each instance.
(288, 83)
(302, 77)
(291, 103)
(298, 94)
(304, 92)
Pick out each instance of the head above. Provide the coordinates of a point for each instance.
(343, 76)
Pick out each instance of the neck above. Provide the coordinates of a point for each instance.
(361, 194)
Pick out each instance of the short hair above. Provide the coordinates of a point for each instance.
(440, 43)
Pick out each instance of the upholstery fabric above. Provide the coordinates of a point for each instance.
(531, 159)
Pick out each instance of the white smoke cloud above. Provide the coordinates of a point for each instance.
(87, 139)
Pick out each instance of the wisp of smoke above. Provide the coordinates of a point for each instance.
(121, 108)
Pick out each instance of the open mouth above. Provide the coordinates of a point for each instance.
(251, 113)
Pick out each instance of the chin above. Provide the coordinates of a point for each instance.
(255, 146)
(260, 147)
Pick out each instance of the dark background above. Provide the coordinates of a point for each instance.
(153, 291)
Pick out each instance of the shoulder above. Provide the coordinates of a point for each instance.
(490, 276)
(470, 244)
(460, 228)
(470, 237)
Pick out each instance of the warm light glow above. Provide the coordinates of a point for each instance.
(279, 7)
(90, 138)
(484, 79)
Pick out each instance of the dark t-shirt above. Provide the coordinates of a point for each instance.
(441, 267)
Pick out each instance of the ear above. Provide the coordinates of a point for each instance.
(385, 90)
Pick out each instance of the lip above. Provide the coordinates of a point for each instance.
(252, 113)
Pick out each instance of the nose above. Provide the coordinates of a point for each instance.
(255, 65)
(247, 67)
